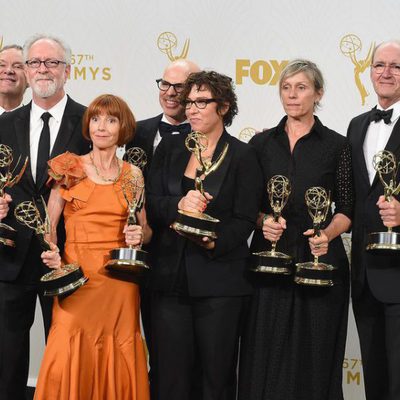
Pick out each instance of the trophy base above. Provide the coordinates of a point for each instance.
(7, 235)
(196, 224)
(64, 281)
(272, 262)
(383, 241)
(310, 274)
(128, 260)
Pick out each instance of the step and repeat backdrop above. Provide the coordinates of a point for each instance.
(122, 47)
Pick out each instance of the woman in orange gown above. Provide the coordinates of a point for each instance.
(95, 348)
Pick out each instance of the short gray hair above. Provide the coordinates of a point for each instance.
(32, 40)
(383, 44)
(11, 46)
(309, 68)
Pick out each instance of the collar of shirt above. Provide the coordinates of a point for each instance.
(3, 110)
(157, 138)
(395, 115)
(317, 128)
(56, 111)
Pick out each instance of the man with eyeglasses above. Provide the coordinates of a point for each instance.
(12, 78)
(48, 126)
(149, 132)
(376, 275)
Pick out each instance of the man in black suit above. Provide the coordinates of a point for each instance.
(48, 126)
(12, 78)
(376, 275)
(172, 120)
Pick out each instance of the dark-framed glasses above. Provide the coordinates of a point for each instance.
(165, 85)
(379, 67)
(50, 63)
(199, 103)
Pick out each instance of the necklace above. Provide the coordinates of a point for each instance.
(103, 178)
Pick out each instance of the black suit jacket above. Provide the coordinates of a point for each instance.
(14, 132)
(145, 134)
(381, 270)
(236, 190)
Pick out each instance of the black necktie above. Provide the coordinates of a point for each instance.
(166, 129)
(44, 148)
(377, 115)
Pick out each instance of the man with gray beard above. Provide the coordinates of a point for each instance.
(48, 126)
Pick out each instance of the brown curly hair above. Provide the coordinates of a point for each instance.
(221, 88)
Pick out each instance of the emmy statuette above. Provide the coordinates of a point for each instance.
(275, 262)
(9, 178)
(385, 164)
(131, 259)
(315, 273)
(199, 223)
(58, 282)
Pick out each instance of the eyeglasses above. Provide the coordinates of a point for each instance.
(165, 85)
(34, 64)
(199, 103)
(379, 67)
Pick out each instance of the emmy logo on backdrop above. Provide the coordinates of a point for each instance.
(9, 178)
(199, 224)
(275, 262)
(131, 259)
(167, 43)
(315, 273)
(386, 166)
(246, 134)
(58, 282)
(349, 45)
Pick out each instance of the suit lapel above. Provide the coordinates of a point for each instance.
(21, 124)
(213, 182)
(359, 150)
(179, 160)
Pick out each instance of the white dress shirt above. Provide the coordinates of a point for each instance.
(36, 126)
(377, 136)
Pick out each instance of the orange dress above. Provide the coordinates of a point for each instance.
(95, 349)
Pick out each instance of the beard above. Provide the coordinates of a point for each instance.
(47, 90)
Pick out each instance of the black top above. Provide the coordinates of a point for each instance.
(320, 158)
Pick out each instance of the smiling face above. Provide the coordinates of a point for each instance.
(104, 131)
(207, 120)
(299, 96)
(12, 74)
(47, 83)
(386, 84)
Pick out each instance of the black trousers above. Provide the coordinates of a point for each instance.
(195, 346)
(378, 326)
(17, 313)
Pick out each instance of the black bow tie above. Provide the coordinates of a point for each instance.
(376, 115)
(166, 129)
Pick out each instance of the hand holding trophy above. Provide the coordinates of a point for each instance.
(199, 223)
(8, 178)
(275, 262)
(385, 164)
(58, 282)
(315, 273)
(131, 259)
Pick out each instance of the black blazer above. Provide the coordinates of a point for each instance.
(145, 134)
(381, 270)
(236, 188)
(14, 132)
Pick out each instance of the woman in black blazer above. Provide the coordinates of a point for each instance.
(200, 291)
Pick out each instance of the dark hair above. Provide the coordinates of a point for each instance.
(221, 88)
(115, 106)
